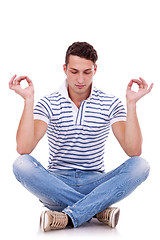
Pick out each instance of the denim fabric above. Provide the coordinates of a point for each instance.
(80, 194)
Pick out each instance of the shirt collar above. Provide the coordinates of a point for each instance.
(63, 90)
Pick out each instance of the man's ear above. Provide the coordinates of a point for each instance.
(95, 68)
(65, 68)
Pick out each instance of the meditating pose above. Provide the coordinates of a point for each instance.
(78, 118)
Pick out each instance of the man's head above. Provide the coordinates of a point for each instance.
(80, 67)
(83, 50)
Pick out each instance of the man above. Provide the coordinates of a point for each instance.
(77, 119)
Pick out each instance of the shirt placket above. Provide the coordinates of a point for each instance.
(80, 114)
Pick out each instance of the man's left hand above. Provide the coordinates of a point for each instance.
(132, 96)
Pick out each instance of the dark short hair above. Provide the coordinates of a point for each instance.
(83, 50)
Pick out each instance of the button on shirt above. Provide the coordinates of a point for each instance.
(77, 136)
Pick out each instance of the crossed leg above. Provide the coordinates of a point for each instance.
(110, 188)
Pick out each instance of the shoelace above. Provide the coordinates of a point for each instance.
(59, 221)
(107, 218)
(105, 215)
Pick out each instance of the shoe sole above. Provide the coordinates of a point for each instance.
(42, 221)
(115, 217)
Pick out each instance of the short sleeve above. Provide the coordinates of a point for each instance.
(43, 110)
(117, 111)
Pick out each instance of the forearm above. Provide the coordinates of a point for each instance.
(25, 132)
(129, 133)
(133, 136)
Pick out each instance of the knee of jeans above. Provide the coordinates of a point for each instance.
(21, 164)
(140, 167)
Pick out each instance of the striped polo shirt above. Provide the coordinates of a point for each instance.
(77, 136)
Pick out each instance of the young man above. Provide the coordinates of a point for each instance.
(77, 119)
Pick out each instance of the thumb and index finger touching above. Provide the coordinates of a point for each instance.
(141, 83)
(16, 81)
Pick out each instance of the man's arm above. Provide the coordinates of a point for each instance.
(30, 131)
(129, 133)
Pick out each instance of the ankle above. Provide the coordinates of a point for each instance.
(70, 223)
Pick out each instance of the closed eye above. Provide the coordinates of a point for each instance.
(73, 72)
(87, 72)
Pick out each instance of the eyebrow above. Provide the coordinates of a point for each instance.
(88, 69)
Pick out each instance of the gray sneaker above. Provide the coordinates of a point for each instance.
(109, 216)
(51, 220)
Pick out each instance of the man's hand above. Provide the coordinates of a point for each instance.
(26, 93)
(132, 96)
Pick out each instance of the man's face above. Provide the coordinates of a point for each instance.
(80, 72)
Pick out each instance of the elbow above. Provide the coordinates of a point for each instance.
(134, 152)
(23, 150)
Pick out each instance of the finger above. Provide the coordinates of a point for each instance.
(13, 86)
(29, 81)
(137, 81)
(141, 82)
(129, 86)
(145, 85)
(142, 79)
(150, 88)
(12, 79)
(131, 83)
(19, 79)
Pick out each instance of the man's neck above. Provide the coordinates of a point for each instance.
(78, 98)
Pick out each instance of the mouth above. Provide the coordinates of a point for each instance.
(80, 86)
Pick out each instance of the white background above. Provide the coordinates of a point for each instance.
(34, 36)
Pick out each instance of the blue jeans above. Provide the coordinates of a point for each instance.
(80, 194)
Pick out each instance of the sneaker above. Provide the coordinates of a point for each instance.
(109, 216)
(51, 220)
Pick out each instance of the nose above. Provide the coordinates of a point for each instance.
(81, 78)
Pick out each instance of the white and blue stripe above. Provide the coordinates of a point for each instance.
(77, 137)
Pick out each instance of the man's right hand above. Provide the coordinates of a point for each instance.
(26, 93)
